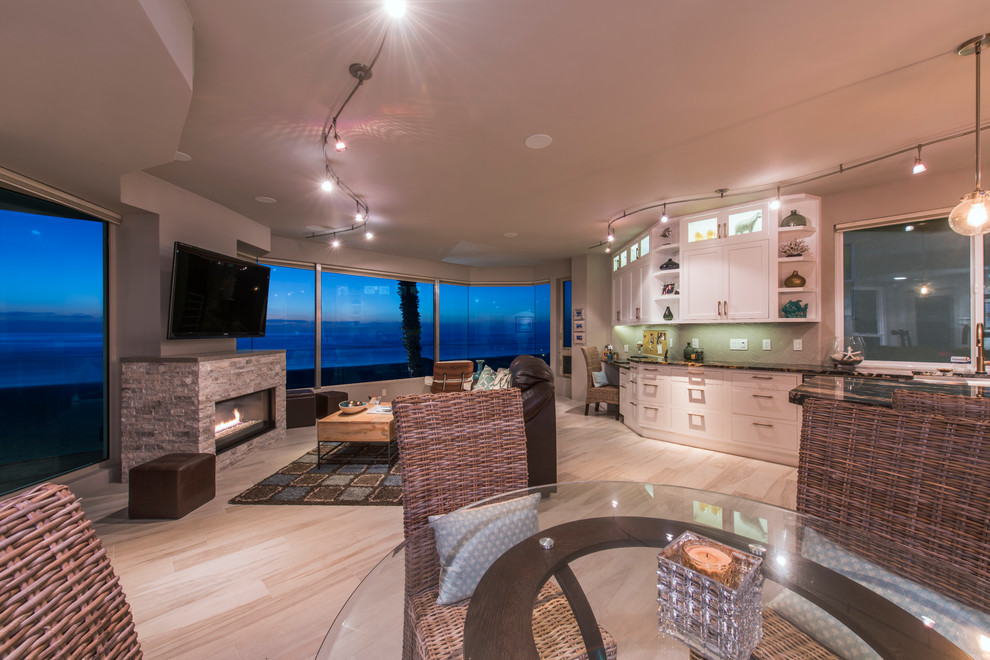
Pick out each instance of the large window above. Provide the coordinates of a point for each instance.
(494, 323)
(291, 324)
(374, 329)
(907, 291)
(52, 347)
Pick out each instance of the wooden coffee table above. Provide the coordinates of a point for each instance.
(363, 428)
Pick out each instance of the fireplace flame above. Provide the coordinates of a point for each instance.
(226, 425)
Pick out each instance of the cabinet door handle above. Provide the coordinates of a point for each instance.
(720, 308)
(637, 313)
(762, 396)
(633, 403)
(725, 307)
(769, 426)
(616, 315)
(763, 377)
(695, 389)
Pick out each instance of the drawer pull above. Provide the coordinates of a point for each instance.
(696, 389)
(762, 396)
(769, 426)
(763, 377)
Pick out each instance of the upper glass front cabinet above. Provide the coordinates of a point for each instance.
(750, 221)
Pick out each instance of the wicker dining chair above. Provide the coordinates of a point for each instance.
(598, 395)
(946, 405)
(457, 448)
(59, 596)
(922, 480)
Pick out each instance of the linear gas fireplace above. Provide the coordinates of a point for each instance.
(243, 417)
(227, 404)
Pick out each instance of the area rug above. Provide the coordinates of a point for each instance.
(350, 484)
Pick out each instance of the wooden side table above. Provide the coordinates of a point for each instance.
(363, 428)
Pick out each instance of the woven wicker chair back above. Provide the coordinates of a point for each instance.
(946, 405)
(60, 596)
(593, 359)
(922, 481)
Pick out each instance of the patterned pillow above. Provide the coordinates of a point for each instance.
(503, 378)
(470, 541)
(486, 379)
(600, 378)
(958, 623)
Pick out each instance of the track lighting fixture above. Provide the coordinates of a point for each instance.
(368, 235)
(327, 184)
(919, 165)
(775, 204)
(663, 216)
(395, 8)
(972, 216)
(608, 249)
(335, 242)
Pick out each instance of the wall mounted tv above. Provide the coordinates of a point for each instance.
(214, 295)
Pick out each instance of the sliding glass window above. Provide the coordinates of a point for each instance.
(52, 341)
(374, 328)
(291, 324)
(494, 323)
(906, 291)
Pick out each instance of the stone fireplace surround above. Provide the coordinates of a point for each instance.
(167, 404)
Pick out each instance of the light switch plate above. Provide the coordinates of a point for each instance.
(798, 345)
(738, 344)
(695, 343)
(766, 344)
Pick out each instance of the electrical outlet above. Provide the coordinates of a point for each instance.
(625, 348)
(695, 343)
(738, 345)
(766, 344)
(384, 391)
(798, 345)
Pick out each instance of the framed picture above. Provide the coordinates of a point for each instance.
(578, 326)
(578, 313)
(668, 288)
(578, 338)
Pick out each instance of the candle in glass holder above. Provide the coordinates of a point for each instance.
(707, 560)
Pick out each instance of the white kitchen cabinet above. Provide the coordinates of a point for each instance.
(807, 210)
(726, 282)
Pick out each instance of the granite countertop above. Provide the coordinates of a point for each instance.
(875, 392)
(805, 369)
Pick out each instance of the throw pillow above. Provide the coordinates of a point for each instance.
(956, 622)
(600, 378)
(503, 378)
(486, 379)
(469, 541)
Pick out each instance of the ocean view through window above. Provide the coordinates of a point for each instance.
(52, 341)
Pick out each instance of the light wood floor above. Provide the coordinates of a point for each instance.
(265, 582)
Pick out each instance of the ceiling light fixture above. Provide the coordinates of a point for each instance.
(775, 204)
(335, 242)
(664, 217)
(972, 216)
(395, 8)
(919, 165)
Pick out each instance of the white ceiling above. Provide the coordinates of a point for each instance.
(645, 101)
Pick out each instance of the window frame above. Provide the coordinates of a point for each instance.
(976, 289)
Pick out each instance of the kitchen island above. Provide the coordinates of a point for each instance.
(877, 392)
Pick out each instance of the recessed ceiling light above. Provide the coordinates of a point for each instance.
(538, 141)
(179, 155)
(315, 227)
(510, 234)
(265, 200)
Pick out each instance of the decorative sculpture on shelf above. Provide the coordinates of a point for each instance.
(795, 219)
(794, 248)
(794, 310)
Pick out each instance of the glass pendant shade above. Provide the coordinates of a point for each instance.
(972, 216)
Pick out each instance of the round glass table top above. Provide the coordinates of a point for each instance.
(607, 537)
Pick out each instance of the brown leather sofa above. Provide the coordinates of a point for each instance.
(534, 378)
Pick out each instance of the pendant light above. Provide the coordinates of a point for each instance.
(972, 216)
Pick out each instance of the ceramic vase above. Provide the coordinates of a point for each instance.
(795, 280)
(667, 314)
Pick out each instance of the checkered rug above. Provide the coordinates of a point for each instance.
(349, 484)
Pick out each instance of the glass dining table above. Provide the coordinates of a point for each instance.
(605, 537)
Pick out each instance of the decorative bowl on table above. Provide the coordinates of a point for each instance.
(352, 407)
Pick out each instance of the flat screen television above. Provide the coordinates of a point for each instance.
(214, 295)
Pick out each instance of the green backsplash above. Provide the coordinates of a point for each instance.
(714, 339)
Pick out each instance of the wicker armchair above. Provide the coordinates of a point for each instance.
(946, 405)
(58, 594)
(457, 448)
(922, 480)
(598, 395)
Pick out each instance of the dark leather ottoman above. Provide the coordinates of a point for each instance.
(171, 486)
(327, 402)
(300, 408)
